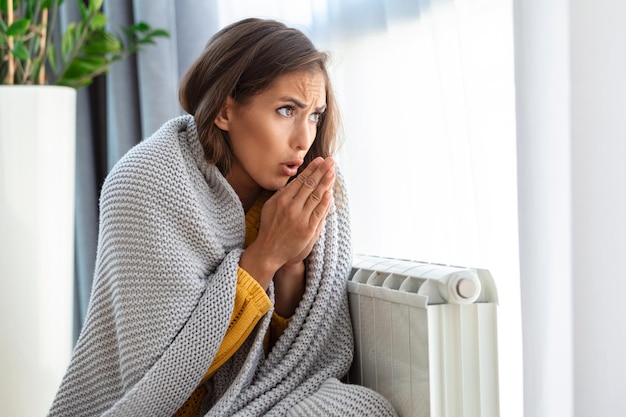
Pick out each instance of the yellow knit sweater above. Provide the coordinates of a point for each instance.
(251, 303)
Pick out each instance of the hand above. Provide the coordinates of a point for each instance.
(291, 221)
(309, 247)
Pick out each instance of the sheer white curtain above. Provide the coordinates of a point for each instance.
(426, 88)
(570, 66)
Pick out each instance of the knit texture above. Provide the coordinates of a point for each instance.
(171, 235)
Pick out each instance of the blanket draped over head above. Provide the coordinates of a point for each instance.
(171, 235)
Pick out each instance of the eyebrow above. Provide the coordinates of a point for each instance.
(300, 104)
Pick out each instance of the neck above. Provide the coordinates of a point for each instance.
(247, 194)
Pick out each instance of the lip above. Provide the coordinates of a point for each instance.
(290, 168)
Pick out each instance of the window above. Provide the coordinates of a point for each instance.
(426, 89)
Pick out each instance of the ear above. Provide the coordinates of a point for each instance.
(224, 117)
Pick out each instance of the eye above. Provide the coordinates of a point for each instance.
(315, 117)
(286, 111)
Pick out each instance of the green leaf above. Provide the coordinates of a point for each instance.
(31, 6)
(146, 41)
(77, 69)
(82, 70)
(99, 21)
(95, 5)
(101, 43)
(84, 13)
(36, 65)
(20, 51)
(52, 58)
(67, 42)
(19, 27)
(159, 32)
(78, 34)
(93, 62)
(74, 82)
(141, 27)
(82, 66)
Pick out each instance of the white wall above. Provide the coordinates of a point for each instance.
(571, 101)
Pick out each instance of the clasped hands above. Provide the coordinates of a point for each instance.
(291, 222)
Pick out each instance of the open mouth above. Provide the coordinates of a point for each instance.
(291, 168)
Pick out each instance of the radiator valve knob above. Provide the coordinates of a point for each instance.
(466, 288)
(463, 288)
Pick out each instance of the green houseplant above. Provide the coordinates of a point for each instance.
(86, 48)
(41, 68)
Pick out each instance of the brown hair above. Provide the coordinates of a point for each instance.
(242, 60)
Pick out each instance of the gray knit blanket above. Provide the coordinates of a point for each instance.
(171, 235)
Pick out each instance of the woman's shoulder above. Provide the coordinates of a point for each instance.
(161, 146)
(157, 155)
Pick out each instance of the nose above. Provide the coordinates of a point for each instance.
(303, 135)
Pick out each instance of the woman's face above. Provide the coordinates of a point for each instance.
(271, 134)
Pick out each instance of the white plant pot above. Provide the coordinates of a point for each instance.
(37, 157)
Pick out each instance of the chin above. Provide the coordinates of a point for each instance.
(276, 185)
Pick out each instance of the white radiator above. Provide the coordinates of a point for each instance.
(425, 336)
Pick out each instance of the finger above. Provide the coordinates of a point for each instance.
(315, 197)
(313, 186)
(294, 186)
(308, 181)
(321, 223)
(320, 210)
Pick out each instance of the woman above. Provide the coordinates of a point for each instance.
(220, 284)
